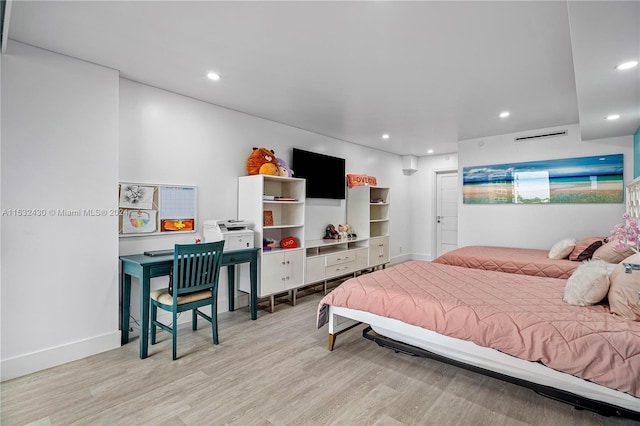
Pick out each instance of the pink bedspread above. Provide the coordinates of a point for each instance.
(509, 259)
(521, 315)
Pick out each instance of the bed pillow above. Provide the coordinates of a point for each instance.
(624, 293)
(585, 248)
(588, 284)
(609, 253)
(562, 249)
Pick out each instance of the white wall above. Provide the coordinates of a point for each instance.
(172, 139)
(67, 140)
(423, 202)
(537, 225)
(59, 151)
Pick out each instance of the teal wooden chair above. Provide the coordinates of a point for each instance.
(192, 284)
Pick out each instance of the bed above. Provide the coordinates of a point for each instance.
(509, 259)
(512, 326)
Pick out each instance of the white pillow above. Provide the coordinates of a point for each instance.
(588, 284)
(562, 249)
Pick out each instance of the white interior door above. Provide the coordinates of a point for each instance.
(446, 212)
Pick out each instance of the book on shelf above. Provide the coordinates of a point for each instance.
(285, 199)
(268, 218)
(268, 197)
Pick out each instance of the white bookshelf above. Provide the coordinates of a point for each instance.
(368, 214)
(279, 270)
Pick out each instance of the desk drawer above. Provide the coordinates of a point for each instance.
(340, 258)
(234, 258)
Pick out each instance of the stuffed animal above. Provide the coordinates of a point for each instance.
(330, 232)
(342, 231)
(283, 168)
(262, 161)
(349, 231)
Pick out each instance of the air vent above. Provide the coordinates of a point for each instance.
(541, 136)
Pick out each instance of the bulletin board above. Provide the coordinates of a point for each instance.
(151, 209)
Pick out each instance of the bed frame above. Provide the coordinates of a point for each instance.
(413, 340)
(406, 338)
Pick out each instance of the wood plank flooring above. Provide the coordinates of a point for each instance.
(273, 371)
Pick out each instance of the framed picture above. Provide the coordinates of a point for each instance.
(597, 179)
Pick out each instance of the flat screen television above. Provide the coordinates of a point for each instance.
(325, 175)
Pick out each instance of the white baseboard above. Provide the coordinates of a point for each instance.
(51, 357)
(406, 257)
(425, 257)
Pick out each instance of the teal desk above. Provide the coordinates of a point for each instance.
(146, 267)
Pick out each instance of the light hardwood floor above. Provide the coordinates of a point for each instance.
(273, 371)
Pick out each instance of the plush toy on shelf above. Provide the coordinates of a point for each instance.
(342, 232)
(349, 231)
(262, 161)
(330, 233)
(269, 243)
(283, 168)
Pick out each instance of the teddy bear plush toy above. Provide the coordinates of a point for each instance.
(262, 161)
(342, 231)
(283, 168)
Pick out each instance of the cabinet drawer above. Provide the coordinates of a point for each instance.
(340, 258)
(357, 260)
(342, 269)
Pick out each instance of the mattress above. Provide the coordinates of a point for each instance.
(509, 259)
(520, 315)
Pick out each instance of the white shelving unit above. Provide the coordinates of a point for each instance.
(279, 270)
(286, 270)
(368, 214)
(327, 259)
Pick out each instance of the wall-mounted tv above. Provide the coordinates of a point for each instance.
(325, 174)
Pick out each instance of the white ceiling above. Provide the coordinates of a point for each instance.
(428, 73)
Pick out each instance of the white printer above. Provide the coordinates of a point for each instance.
(237, 234)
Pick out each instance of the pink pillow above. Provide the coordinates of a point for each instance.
(585, 248)
(624, 290)
(609, 253)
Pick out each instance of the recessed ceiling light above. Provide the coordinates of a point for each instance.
(504, 114)
(627, 65)
(613, 116)
(213, 76)
(385, 136)
(429, 151)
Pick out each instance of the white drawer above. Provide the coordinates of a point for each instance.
(335, 270)
(357, 259)
(341, 257)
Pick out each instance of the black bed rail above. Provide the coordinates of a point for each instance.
(579, 402)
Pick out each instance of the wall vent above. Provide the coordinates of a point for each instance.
(541, 136)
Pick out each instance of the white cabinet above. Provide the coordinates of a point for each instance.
(378, 251)
(282, 201)
(326, 259)
(282, 271)
(368, 214)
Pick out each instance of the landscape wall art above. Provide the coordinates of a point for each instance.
(597, 179)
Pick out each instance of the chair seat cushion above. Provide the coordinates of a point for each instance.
(165, 298)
